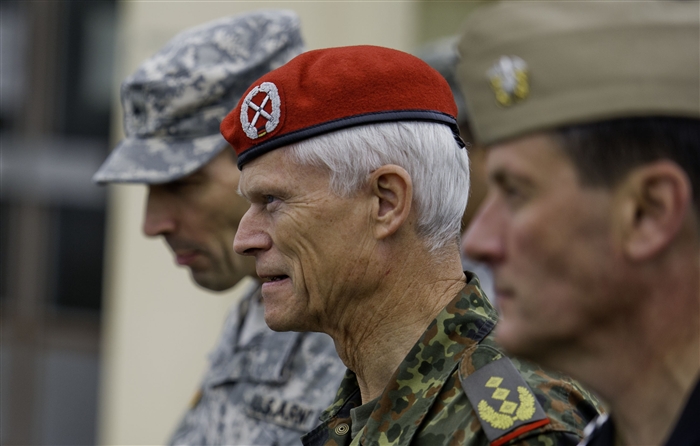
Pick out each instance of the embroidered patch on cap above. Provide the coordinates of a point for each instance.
(332, 89)
(260, 110)
(503, 401)
(509, 80)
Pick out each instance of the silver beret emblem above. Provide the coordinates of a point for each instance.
(509, 80)
(263, 103)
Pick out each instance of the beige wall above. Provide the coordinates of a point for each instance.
(158, 326)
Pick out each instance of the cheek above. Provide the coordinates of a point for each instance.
(563, 268)
(292, 237)
(302, 247)
(538, 251)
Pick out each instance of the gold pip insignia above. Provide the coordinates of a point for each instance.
(503, 417)
(509, 80)
(503, 401)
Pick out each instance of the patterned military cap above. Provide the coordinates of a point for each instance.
(174, 102)
(442, 55)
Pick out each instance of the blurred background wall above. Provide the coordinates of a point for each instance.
(56, 63)
(103, 340)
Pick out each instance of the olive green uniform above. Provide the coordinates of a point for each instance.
(453, 368)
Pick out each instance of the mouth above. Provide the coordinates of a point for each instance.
(267, 279)
(186, 258)
(186, 252)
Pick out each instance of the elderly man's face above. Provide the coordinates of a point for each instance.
(310, 246)
(551, 245)
(198, 216)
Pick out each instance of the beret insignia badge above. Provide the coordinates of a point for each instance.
(509, 80)
(260, 110)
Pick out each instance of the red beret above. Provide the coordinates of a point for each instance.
(334, 88)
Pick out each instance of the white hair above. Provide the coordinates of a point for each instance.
(438, 167)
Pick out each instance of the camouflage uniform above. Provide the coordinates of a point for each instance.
(426, 404)
(263, 387)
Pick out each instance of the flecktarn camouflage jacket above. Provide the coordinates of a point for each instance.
(455, 387)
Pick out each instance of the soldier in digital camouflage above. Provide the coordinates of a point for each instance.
(262, 387)
(358, 179)
(590, 112)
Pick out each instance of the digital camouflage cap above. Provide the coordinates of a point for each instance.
(443, 56)
(174, 102)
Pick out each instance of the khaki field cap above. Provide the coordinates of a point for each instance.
(534, 66)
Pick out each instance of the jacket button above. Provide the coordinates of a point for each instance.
(342, 429)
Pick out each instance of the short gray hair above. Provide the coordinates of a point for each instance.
(439, 169)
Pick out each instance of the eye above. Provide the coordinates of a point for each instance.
(512, 193)
(175, 186)
(271, 202)
(514, 190)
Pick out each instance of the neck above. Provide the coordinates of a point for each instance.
(375, 336)
(648, 372)
(647, 405)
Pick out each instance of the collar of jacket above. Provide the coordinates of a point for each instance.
(417, 382)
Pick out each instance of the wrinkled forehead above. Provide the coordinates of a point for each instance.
(278, 173)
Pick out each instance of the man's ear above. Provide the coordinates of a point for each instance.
(392, 192)
(657, 198)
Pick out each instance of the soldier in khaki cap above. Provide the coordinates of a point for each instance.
(591, 115)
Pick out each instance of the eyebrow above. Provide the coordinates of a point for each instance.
(499, 176)
(261, 189)
(502, 176)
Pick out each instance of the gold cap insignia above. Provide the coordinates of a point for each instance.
(509, 80)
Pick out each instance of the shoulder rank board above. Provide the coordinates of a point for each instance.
(503, 401)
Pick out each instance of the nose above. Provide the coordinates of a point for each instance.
(251, 236)
(483, 239)
(159, 218)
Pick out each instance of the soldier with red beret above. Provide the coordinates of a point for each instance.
(357, 178)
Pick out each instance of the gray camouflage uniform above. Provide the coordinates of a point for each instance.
(262, 387)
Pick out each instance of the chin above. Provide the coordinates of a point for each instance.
(274, 320)
(513, 341)
(281, 326)
(284, 320)
(538, 347)
(214, 282)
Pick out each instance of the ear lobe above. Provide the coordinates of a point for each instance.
(661, 199)
(392, 191)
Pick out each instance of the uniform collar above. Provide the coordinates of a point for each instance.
(467, 319)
